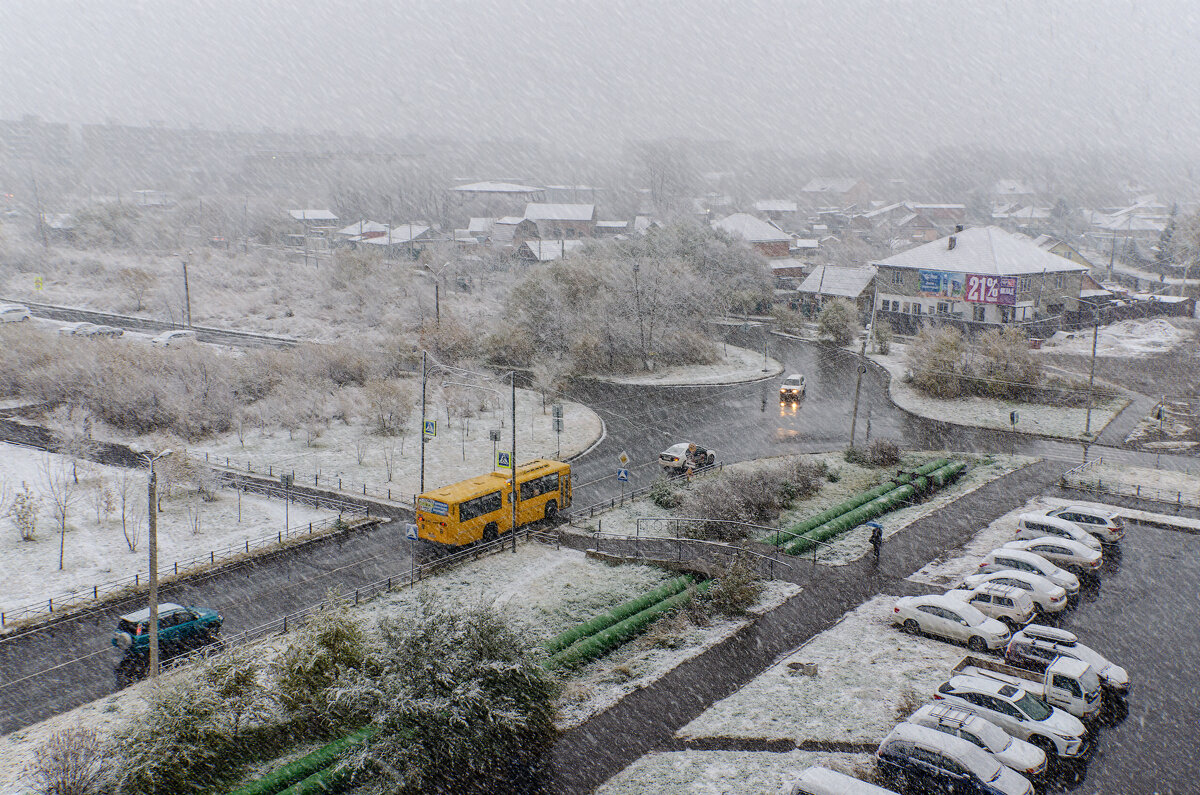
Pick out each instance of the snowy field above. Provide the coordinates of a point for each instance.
(1165, 484)
(1035, 418)
(735, 366)
(96, 552)
(1127, 338)
(721, 772)
(870, 675)
(460, 450)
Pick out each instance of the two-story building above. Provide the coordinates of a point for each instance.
(978, 277)
(562, 221)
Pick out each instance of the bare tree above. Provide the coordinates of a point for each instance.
(69, 762)
(24, 512)
(388, 451)
(132, 526)
(137, 282)
(102, 501)
(194, 517)
(63, 494)
(360, 449)
(6, 495)
(391, 405)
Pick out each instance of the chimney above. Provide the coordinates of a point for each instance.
(958, 227)
(953, 242)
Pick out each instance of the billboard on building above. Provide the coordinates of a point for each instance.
(973, 287)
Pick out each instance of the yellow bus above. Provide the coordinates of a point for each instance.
(480, 508)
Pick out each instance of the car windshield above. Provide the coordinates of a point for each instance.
(1034, 707)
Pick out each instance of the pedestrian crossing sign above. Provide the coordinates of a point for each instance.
(430, 428)
(503, 459)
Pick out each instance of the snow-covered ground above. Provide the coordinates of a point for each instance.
(461, 448)
(1035, 418)
(735, 366)
(1127, 338)
(1166, 484)
(96, 552)
(721, 772)
(870, 676)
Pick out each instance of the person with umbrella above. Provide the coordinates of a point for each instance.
(876, 537)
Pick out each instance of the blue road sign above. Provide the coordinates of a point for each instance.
(410, 530)
(430, 428)
(623, 475)
(503, 459)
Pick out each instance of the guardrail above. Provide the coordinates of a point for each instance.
(315, 480)
(64, 602)
(677, 546)
(633, 494)
(1079, 479)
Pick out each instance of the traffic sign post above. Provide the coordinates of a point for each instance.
(623, 457)
(623, 475)
(494, 435)
(430, 428)
(410, 530)
(504, 459)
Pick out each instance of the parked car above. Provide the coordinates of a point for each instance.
(1103, 524)
(1036, 646)
(686, 455)
(928, 760)
(822, 781)
(13, 313)
(1011, 605)
(792, 387)
(173, 338)
(1018, 712)
(1062, 552)
(80, 329)
(1006, 558)
(1047, 597)
(1070, 685)
(1025, 758)
(180, 629)
(1034, 525)
(111, 332)
(951, 619)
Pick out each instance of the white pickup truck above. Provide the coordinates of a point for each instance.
(1071, 685)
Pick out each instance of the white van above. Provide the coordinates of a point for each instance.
(1035, 525)
(822, 781)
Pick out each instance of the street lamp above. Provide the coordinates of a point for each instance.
(152, 527)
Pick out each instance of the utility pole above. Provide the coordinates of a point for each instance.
(41, 216)
(424, 376)
(516, 491)
(187, 299)
(862, 368)
(152, 544)
(1087, 429)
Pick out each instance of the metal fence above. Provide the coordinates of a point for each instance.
(1084, 478)
(313, 480)
(633, 494)
(64, 602)
(662, 548)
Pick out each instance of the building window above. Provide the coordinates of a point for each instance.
(916, 308)
(943, 308)
(1025, 285)
(1058, 280)
(897, 277)
(979, 313)
(905, 309)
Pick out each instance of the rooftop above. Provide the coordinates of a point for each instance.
(754, 230)
(560, 212)
(987, 250)
(837, 281)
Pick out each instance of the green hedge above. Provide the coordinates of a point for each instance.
(606, 640)
(616, 615)
(300, 770)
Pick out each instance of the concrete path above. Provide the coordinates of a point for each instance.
(585, 757)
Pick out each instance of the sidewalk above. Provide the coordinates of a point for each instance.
(590, 754)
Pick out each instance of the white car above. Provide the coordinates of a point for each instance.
(1104, 524)
(173, 338)
(823, 781)
(13, 313)
(1033, 525)
(679, 457)
(792, 387)
(1046, 596)
(1036, 646)
(80, 329)
(1062, 552)
(927, 760)
(1013, 606)
(1023, 757)
(951, 619)
(1003, 559)
(1018, 712)
(111, 332)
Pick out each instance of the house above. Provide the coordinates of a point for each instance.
(547, 250)
(806, 247)
(402, 240)
(982, 275)
(481, 228)
(768, 239)
(59, 226)
(611, 228)
(562, 221)
(777, 210)
(1065, 250)
(505, 190)
(829, 282)
(362, 230)
(513, 230)
(314, 220)
(836, 192)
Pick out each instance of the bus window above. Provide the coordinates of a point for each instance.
(539, 486)
(479, 506)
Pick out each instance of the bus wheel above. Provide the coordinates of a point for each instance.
(490, 533)
(551, 510)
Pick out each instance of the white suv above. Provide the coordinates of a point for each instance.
(1021, 756)
(1105, 525)
(1013, 606)
(1002, 559)
(1047, 597)
(1032, 525)
(1018, 712)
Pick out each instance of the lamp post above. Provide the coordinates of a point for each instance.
(187, 300)
(1087, 428)
(152, 539)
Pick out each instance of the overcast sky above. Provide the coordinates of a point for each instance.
(806, 74)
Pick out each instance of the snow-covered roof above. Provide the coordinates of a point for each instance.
(480, 226)
(401, 233)
(549, 250)
(804, 242)
(829, 185)
(1131, 223)
(749, 228)
(643, 222)
(775, 206)
(1029, 213)
(882, 210)
(612, 224)
(509, 220)
(535, 211)
(496, 187)
(312, 215)
(927, 206)
(986, 250)
(362, 228)
(842, 282)
(63, 222)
